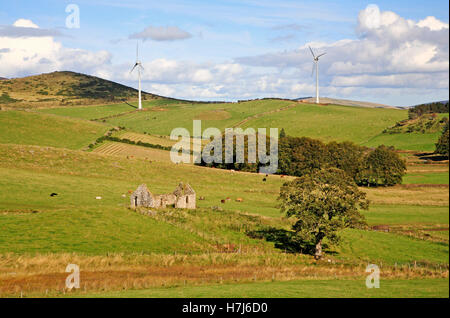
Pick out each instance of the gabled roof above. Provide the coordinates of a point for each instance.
(141, 188)
(183, 189)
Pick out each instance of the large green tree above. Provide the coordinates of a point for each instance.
(322, 202)
(383, 166)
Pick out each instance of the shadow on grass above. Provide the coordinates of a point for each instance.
(125, 101)
(431, 156)
(284, 240)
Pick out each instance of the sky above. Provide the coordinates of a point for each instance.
(390, 52)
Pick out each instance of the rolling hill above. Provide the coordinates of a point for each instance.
(330, 122)
(86, 97)
(64, 89)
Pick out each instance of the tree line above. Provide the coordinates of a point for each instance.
(299, 156)
(419, 110)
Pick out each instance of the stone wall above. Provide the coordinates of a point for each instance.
(183, 197)
(142, 197)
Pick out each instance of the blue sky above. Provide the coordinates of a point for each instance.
(244, 49)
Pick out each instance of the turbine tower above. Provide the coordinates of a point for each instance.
(139, 66)
(316, 62)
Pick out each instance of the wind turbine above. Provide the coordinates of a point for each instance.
(316, 62)
(139, 66)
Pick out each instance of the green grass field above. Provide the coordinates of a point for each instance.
(89, 112)
(389, 248)
(107, 224)
(41, 155)
(96, 112)
(426, 178)
(19, 127)
(361, 125)
(407, 214)
(294, 289)
(162, 120)
(357, 124)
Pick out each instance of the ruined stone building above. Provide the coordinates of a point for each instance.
(183, 197)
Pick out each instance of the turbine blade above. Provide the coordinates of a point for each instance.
(313, 68)
(321, 55)
(312, 52)
(133, 68)
(137, 51)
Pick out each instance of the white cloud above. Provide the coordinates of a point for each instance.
(432, 23)
(390, 52)
(36, 53)
(160, 89)
(24, 23)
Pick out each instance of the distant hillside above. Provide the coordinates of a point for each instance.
(430, 103)
(429, 108)
(425, 124)
(64, 89)
(343, 102)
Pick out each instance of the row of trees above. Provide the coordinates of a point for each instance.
(299, 156)
(380, 166)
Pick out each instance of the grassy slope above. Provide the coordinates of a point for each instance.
(294, 289)
(407, 214)
(358, 124)
(90, 112)
(389, 248)
(20, 127)
(101, 111)
(64, 88)
(331, 122)
(426, 178)
(29, 174)
(107, 225)
(124, 150)
(162, 121)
